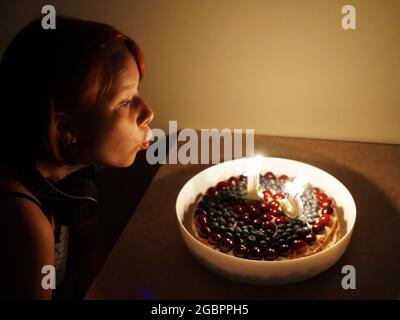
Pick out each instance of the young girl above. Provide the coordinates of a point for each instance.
(69, 99)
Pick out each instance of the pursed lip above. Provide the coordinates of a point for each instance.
(146, 142)
(145, 145)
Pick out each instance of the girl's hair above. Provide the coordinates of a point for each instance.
(45, 71)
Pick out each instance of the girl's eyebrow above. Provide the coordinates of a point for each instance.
(129, 86)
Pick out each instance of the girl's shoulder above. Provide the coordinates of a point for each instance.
(26, 241)
(18, 208)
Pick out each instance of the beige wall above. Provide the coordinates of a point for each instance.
(281, 67)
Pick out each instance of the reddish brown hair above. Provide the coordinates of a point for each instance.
(45, 71)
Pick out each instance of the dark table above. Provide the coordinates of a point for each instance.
(150, 259)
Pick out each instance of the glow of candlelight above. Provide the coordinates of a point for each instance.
(253, 179)
(293, 206)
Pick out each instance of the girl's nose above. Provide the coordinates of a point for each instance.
(146, 115)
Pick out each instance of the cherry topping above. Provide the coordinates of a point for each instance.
(269, 225)
(267, 193)
(326, 203)
(281, 220)
(221, 186)
(318, 228)
(255, 253)
(325, 219)
(276, 212)
(266, 217)
(240, 250)
(204, 231)
(311, 238)
(283, 178)
(214, 239)
(270, 254)
(245, 217)
(199, 211)
(327, 210)
(270, 175)
(321, 196)
(233, 181)
(274, 204)
(212, 192)
(200, 220)
(202, 204)
(264, 208)
(226, 244)
(253, 210)
(243, 178)
(278, 196)
(299, 245)
(315, 190)
(238, 209)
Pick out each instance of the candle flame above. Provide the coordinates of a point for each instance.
(253, 177)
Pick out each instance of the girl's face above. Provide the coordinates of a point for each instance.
(117, 129)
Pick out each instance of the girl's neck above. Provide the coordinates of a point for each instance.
(55, 172)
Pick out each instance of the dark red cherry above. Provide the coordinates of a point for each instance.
(267, 193)
(233, 181)
(199, 211)
(311, 238)
(204, 231)
(226, 244)
(278, 196)
(264, 208)
(318, 228)
(238, 209)
(327, 210)
(274, 204)
(321, 196)
(270, 254)
(266, 217)
(270, 175)
(283, 178)
(240, 250)
(202, 204)
(276, 212)
(221, 186)
(214, 239)
(281, 220)
(315, 190)
(212, 192)
(326, 203)
(255, 253)
(251, 208)
(269, 225)
(326, 220)
(299, 245)
(201, 220)
(245, 217)
(243, 178)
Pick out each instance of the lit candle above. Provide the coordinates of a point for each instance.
(292, 205)
(253, 179)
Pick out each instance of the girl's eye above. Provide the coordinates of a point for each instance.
(125, 103)
(130, 103)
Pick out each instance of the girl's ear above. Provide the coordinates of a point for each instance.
(64, 128)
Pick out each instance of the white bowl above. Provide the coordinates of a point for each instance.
(267, 272)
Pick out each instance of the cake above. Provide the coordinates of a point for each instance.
(225, 220)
